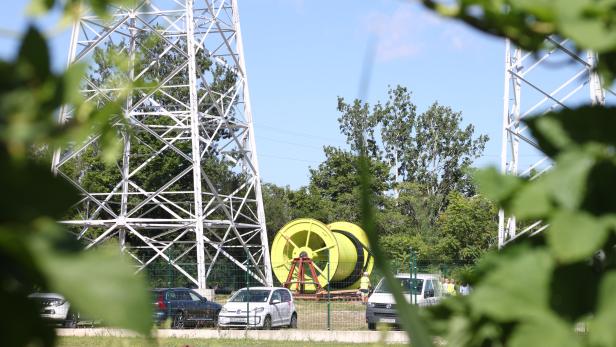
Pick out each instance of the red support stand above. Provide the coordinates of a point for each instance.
(300, 284)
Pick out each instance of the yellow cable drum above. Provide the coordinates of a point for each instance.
(346, 243)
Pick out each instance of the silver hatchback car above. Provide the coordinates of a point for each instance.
(55, 309)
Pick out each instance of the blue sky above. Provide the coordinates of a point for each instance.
(302, 55)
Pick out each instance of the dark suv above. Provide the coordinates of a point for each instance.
(184, 307)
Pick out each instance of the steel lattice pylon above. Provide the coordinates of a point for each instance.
(556, 78)
(186, 191)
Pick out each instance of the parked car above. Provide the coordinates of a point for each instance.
(54, 308)
(381, 307)
(259, 307)
(184, 307)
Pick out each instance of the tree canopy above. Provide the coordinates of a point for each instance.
(418, 162)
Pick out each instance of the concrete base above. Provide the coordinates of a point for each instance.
(271, 335)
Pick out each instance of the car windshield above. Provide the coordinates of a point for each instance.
(252, 295)
(405, 285)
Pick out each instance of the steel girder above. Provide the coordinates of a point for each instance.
(555, 78)
(187, 187)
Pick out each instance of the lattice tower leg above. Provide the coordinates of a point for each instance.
(537, 84)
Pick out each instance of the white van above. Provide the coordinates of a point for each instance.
(426, 290)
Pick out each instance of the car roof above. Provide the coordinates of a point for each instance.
(46, 295)
(419, 276)
(263, 288)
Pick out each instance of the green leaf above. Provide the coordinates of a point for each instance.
(583, 21)
(496, 186)
(517, 288)
(542, 9)
(39, 7)
(532, 200)
(18, 276)
(101, 283)
(575, 236)
(600, 198)
(574, 300)
(71, 83)
(588, 124)
(30, 190)
(602, 332)
(571, 171)
(544, 331)
(410, 320)
(21, 323)
(34, 54)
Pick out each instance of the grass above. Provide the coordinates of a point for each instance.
(344, 315)
(312, 315)
(176, 342)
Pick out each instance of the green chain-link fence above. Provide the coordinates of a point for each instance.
(327, 308)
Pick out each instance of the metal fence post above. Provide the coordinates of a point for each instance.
(416, 263)
(329, 323)
(412, 274)
(247, 296)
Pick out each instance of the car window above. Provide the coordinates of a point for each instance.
(429, 285)
(276, 296)
(171, 296)
(194, 296)
(183, 295)
(253, 295)
(286, 296)
(405, 284)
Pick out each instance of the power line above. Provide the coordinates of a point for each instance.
(288, 143)
(287, 131)
(288, 158)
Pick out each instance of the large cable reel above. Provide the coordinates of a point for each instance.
(349, 255)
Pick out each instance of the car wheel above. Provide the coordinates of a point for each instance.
(371, 326)
(267, 323)
(71, 320)
(293, 322)
(178, 321)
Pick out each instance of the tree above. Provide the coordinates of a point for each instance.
(397, 247)
(358, 125)
(431, 149)
(440, 152)
(337, 180)
(466, 229)
(277, 205)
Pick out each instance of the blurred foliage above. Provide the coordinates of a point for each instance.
(408, 315)
(35, 252)
(538, 291)
(588, 23)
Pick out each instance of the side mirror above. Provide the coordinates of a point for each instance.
(429, 293)
(275, 301)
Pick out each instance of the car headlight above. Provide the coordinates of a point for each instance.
(58, 302)
(371, 304)
(259, 309)
(224, 310)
